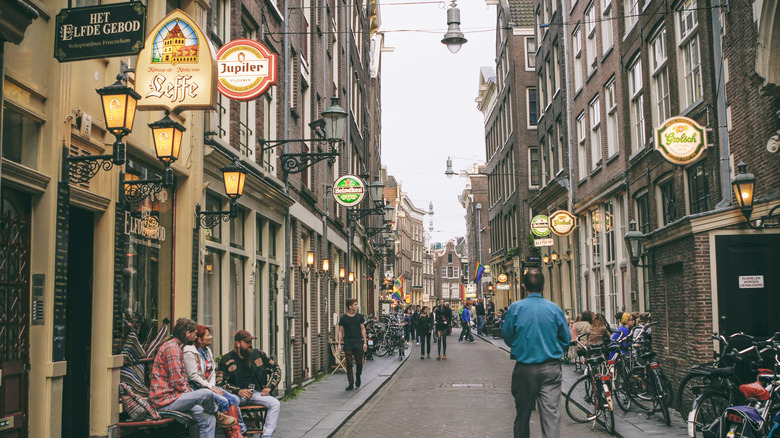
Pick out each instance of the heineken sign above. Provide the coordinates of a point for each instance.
(680, 140)
(562, 223)
(540, 225)
(349, 190)
(96, 32)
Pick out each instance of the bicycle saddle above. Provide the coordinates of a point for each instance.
(649, 355)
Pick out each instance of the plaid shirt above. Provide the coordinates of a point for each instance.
(169, 379)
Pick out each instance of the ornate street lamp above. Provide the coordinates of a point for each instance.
(449, 172)
(546, 259)
(234, 177)
(454, 38)
(635, 244)
(375, 190)
(310, 258)
(744, 184)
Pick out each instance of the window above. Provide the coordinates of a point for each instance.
(595, 135)
(637, 106)
(532, 107)
(213, 203)
(449, 258)
(632, 13)
(444, 271)
(612, 119)
(590, 33)
(660, 93)
(273, 229)
(698, 188)
(530, 53)
(577, 49)
(21, 136)
(220, 23)
(643, 213)
(688, 43)
(609, 230)
(668, 207)
(595, 222)
(556, 68)
(559, 143)
(269, 130)
(582, 153)
(607, 37)
(455, 272)
(211, 291)
(237, 230)
(259, 225)
(536, 167)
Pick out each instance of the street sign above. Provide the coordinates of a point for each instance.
(751, 281)
(540, 225)
(543, 242)
(533, 259)
(246, 69)
(502, 287)
(104, 31)
(349, 190)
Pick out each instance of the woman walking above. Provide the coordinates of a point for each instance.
(201, 372)
(424, 325)
(443, 316)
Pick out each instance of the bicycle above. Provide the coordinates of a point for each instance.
(646, 385)
(595, 390)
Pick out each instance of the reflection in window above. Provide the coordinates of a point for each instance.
(668, 203)
(20, 138)
(209, 312)
(213, 203)
(699, 188)
(237, 230)
(236, 300)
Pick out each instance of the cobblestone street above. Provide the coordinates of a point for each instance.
(467, 395)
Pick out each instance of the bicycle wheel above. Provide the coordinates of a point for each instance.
(381, 349)
(580, 400)
(660, 399)
(619, 393)
(705, 410)
(636, 389)
(690, 387)
(666, 384)
(608, 416)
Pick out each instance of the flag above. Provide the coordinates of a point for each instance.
(478, 271)
(399, 285)
(396, 296)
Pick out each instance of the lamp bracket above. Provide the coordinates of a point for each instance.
(134, 191)
(372, 231)
(82, 168)
(210, 219)
(356, 214)
(297, 163)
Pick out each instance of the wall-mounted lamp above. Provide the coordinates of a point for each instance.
(635, 243)
(325, 265)
(310, 258)
(234, 177)
(351, 277)
(342, 273)
(546, 259)
(554, 257)
(744, 184)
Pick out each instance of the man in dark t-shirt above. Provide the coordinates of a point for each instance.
(352, 341)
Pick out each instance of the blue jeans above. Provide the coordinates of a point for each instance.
(225, 400)
(201, 405)
(271, 416)
(480, 324)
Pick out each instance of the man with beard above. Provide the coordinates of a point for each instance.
(170, 390)
(352, 341)
(252, 375)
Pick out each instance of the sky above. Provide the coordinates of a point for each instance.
(428, 108)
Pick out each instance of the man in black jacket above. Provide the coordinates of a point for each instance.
(245, 370)
(443, 317)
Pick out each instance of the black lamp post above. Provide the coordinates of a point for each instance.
(234, 177)
(635, 242)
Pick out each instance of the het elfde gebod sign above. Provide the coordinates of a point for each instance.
(104, 31)
(177, 68)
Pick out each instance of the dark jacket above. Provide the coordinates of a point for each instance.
(480, 309)
(415, 318)
(425, 323)
(443, 317)
(267, 372)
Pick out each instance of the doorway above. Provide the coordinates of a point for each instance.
(78, 327)
(748, 283)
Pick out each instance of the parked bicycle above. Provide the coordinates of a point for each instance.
(590, 398)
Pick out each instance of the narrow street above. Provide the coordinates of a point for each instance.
(467, 395)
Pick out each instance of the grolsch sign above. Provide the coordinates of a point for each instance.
(104, 31)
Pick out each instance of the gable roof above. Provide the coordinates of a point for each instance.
(521, 13)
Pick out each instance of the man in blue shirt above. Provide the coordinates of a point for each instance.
(465, 323)
(536, 331)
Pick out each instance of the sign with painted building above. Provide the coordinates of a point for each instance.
(177, 68)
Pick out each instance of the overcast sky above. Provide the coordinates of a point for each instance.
(428, 108)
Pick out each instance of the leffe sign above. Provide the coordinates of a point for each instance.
(104, 31)
(177, 69)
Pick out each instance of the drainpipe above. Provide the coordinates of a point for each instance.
(720, 95)
(287, 222)
(348, 138)
(574, 241)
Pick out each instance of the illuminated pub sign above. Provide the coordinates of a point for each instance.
(177, 68)
(104, 31)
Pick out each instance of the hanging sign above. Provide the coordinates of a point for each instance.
(246, 69)
(562, 222)
(540, 225)
(502, 278)
(177, 69)
(104, 31)
(543, 242)
(349, 190)
(680, 140)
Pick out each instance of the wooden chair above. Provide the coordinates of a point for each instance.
(254, 418)
(339, 359)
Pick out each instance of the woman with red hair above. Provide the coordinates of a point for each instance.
(202, 373)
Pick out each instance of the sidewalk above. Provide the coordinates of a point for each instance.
(633, 423)
(322, 407)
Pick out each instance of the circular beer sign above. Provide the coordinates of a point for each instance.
(349, 190)
(245, 69)
(540, 225)
(562, 222)
(680, 140)
(502, 278)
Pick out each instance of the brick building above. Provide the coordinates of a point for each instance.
(474, 200)
(447, 274)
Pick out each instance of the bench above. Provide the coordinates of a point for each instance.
(254, 418)
(146, 427)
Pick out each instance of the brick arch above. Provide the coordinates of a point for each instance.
(768, 47)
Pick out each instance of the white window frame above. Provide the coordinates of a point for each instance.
(607, 33)
(661, 99)
(612, 119)
(590, 34)
(530, 55)
(636, 106)
(529, 125)
(689, 53)
(595, 134)
(582, 156)
(631, 13)
(577, 50)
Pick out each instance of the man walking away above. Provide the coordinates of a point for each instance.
(352, 341)
(537, 333)
(443, 318)
(465, 323)
(251, 375)
(480, 316)
(415, 324)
